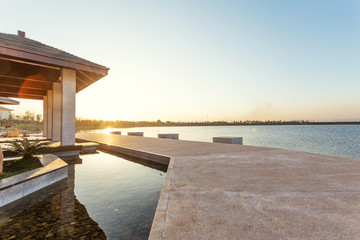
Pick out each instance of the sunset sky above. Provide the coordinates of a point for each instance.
(204, 60)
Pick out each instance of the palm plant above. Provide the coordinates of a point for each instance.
(27, 148)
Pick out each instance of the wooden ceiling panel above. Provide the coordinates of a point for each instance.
(21, 95)
(24, 83)
(20, 90)
(21, 70)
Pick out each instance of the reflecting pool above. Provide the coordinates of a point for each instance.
(105, 197)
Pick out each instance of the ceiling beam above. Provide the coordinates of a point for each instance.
(80, 82)
(26, 78)
(16, 95)
(24, 83)
(16, 69)
(19, 90)
(87, 76)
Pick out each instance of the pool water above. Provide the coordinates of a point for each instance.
(105, 197)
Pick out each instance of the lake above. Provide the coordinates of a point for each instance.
(340, 140)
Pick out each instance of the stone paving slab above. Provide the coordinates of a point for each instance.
(264, 171)
(222, 191)
(258, 215)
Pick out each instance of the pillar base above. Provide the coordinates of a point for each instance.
(68, 155)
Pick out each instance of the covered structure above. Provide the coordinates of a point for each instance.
(32, 70)
(8, 101)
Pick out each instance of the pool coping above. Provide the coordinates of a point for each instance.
(15, 187)
(146, 155)
(158, 223)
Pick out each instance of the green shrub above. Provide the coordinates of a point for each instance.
(27, 148)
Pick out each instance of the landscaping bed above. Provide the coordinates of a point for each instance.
(16, 166)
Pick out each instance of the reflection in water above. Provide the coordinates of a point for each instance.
(150, 164)
(109, 198)
(51, 213)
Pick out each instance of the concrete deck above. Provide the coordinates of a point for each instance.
(222, 191)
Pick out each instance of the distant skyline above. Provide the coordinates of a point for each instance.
(204, 60)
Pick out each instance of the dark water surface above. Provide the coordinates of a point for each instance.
(340, 140)
(105, 196)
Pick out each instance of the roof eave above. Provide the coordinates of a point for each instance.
(51, 60)
(8, 101)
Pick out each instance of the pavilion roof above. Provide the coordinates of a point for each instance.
(8, 101)
(28, 67)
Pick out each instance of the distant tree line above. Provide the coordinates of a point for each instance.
(26, 118)
(30, 118)
(82, 124)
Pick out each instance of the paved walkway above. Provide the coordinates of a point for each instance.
(221, 191)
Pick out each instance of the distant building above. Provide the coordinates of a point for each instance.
(4, 113)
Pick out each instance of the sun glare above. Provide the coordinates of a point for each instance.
(108, 130)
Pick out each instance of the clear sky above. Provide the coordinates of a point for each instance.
(204, 60)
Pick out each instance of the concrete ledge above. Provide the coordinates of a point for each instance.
(68, 155)
(169, 135)
(158, 224)
(136, 153)
(64, 152)
(228, 140)
(13, 188)
(88, 147)
(116, 132)
(139, 134)
(56, 147)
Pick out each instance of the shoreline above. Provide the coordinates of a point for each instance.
(213, 124)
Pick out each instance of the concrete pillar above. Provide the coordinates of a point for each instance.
(45, 110)
(49, 113)
(138, 134)
(115, 132)
(68, 78)
(169, 135)
(1, 160)
(229, 140)
(56, 118)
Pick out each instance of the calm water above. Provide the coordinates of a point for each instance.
(105, 196)
(340, 140)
